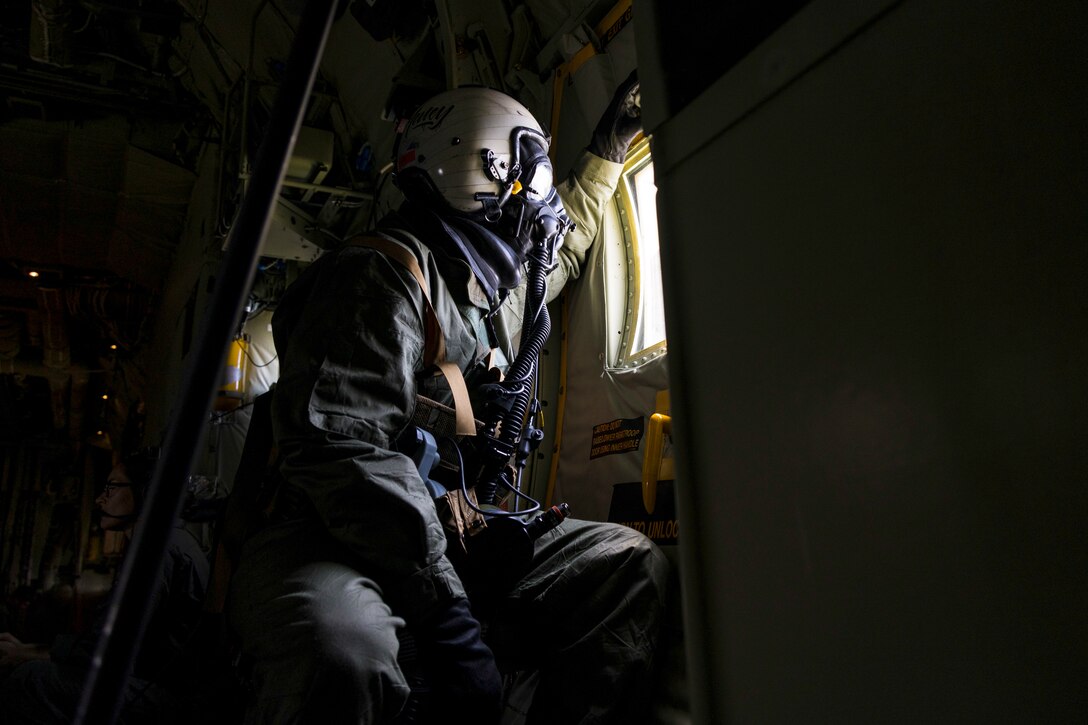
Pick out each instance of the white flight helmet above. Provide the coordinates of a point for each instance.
(473, 148)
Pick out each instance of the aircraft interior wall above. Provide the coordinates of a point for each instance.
(875, 272)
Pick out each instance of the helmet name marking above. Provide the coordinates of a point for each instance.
(430, 118)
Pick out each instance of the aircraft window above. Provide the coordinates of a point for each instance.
(643, 330)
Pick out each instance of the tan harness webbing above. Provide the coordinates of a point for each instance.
(434, 345)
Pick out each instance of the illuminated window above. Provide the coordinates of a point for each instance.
(643, 329)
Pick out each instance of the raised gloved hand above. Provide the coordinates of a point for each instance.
(620, 122)
(458, 676)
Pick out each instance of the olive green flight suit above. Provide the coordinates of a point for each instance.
(318, 599)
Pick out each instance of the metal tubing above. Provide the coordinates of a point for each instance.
(330, 190)
(127, 614)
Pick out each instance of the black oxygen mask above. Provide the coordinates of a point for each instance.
(532, 215)
(535, 224)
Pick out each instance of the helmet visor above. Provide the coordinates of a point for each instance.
(536, 175)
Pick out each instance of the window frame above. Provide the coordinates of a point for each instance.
(625, 358)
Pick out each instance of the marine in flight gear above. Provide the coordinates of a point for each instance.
(355, 556)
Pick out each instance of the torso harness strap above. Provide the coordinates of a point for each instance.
(434, 346)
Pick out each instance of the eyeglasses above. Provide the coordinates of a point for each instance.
(112, 486)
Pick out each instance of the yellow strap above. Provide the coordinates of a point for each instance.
(462, 406)
(434, 346)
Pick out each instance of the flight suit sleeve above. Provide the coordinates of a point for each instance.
(589, 187)
(347, 389)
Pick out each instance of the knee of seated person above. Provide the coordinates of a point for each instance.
(354, 629)
(643, 559)
(355, 651)
(637, 544)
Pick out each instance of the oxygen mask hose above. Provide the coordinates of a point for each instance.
(543, 224)
(538, 326)
(504, 430)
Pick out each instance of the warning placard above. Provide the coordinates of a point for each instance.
(617, 436)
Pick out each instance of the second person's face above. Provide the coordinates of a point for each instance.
(116, 502)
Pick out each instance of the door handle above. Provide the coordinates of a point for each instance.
(653, 467)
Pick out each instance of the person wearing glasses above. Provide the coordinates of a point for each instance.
(42, 683)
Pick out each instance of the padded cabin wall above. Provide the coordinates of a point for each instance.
(186, 295)
(228, 428)
(875, 272)
(593, 395)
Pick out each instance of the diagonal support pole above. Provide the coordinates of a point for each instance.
(128, 611)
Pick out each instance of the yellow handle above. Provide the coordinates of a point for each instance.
(659, 427)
